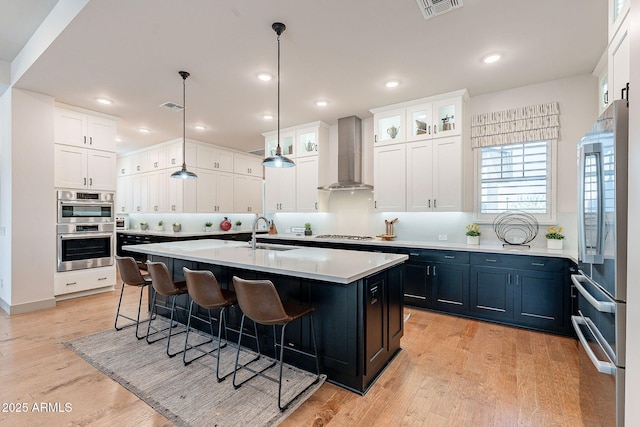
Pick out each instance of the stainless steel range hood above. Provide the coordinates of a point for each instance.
(349, 156)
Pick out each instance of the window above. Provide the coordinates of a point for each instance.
(515, 177)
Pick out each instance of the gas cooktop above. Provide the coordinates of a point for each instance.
(343, 237)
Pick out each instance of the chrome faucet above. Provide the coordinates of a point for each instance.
(253, 230)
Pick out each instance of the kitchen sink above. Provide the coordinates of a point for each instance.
(275, 247)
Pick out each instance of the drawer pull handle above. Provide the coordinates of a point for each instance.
(72, 283)
(449, 257)
(414, 254)
(538, 264)
(102, 278)
(490, 260)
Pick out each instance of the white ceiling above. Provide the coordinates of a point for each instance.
(339, 51)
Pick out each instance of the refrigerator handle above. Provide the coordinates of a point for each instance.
(602, 367)
(603, 307)
(591, 150)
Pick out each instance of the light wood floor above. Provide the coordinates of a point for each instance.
(451, 372)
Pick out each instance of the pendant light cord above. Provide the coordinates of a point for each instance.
(279, 149)
(184, 121)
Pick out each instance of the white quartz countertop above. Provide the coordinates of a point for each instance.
(412, 244)
(330, 265)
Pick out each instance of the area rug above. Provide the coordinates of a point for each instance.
(190, 395)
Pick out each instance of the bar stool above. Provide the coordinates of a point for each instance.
(163, 284)
(260, 302)
(131, 276)
(205, 292)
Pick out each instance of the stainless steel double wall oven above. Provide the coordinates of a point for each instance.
(85, 229)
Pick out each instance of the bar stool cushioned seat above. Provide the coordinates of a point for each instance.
(260, 302)
(131, 276)
(163, 284)
(205, 292)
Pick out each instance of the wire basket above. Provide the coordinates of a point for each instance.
(515, 228)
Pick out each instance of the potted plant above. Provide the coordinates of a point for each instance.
(554, 237)
(160, 226)
(177, 227)
(473, 234)
(307, 229)
(207, 226)
(143, 225)
(238, 225)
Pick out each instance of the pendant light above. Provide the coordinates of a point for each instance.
(184, 173)
(278, 160)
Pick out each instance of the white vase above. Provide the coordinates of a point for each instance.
(554, 244)
(473, 240)
(207, 229)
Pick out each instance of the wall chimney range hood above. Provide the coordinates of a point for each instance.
(349, 156)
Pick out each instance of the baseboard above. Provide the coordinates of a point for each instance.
(27, 307)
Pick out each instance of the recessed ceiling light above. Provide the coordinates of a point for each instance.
(392, 83)
(144, 130)
(199, 127)
(265, 77)
(104, 101)
(267, 117)
(321, 103)
(491, 58)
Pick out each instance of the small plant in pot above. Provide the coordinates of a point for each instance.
(177, 227)
(160, 226)
(554, 237)
(238, 225)
(143, 225)
(207, 226)
(307, 229)
(473, 234)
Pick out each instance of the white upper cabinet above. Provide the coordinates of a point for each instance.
(389, 126)
(309, 140)
(248, 194)
(389, 178)
(214, 191)
(157, 158)
(307, 184)
(287, 143)
(123, 164)
(139, 162)
(214, 158)
(84, 130)
(245, 164)
(82, 168)
(280, 189)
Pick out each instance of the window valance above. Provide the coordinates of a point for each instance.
(525, 124)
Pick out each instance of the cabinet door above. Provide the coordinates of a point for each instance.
(389, 127)
(101, 133)
(619, 53)
(101, 168)
(174, 194)
(395, 314)
(419, 176)
(491, 292)
(247, 165)
(140, 193)
(307, 142)
(280, 185)
(287, 140)
(139, 162)
(538, 299)
(70, 167)
(450, 284)
(123, 165)
(70, 128)
(174, 155)
(248, 194)
(447, 174)
(206, 191)
(417, 292)
(389, 178)
(158, 195)
(376, 322)
(224, 191)
(307, 184)
(157, 158)
(447, 117)
(419, 122)
(124, 194)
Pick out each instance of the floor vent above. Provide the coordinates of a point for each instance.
(431, 8)
(172, 106)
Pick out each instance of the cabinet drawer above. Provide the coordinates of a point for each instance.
(83, 280)
(523, 262)
(455, 257)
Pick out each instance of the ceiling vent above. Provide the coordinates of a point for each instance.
(172, 106)
(431, 8)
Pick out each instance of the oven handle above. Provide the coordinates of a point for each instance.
(85, 202)
(603, 307)
(84, 235)
(602, 367)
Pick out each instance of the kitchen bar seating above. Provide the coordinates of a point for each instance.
(260, 302)
(163, 284)
(205, 292)
(131, 276)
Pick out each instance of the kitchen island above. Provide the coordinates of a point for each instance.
(357, 297)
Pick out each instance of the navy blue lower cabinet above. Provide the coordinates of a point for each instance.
(417, 289)
(450, 287)
(491, 292)
(539, 299)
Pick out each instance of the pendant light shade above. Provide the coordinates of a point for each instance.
(184, 173)
(278, 160)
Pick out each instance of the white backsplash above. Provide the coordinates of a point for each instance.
(190, 222)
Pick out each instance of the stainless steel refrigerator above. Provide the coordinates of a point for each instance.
(602, 267)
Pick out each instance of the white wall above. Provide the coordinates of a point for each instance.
(632, 415)
(32, 202)
(5, 199)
